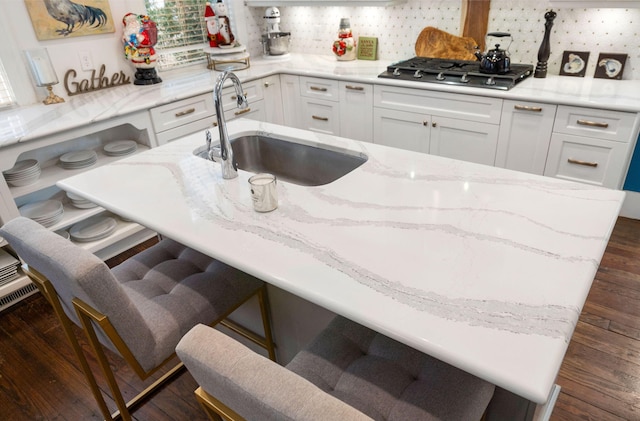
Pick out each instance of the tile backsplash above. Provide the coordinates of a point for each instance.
(313, 29)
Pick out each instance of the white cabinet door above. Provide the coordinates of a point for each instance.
(273, 110)
(465, 140)
(587, 160)
(525, 133)
(291, 103)
(356, 111)
(401, 129)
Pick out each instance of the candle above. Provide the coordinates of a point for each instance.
(41, 67)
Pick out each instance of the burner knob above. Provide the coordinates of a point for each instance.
(464, 78)
(440, 76)
(418, 74)
(396, 72)
(490, 81)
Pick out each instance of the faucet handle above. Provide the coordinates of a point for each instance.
(242, 101)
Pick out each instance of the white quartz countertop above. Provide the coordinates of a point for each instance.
(482, 267)
(26, 123)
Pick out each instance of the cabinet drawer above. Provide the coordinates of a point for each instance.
(464, 107)
(321, 116)
(587, 160)
(181, 112)
(601, 124)
(312, 87)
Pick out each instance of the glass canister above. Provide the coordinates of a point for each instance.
(345, 46)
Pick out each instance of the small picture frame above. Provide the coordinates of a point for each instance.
(367, 48)
(574, 63)
(610, 66)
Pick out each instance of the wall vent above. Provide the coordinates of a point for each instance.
(17, 295)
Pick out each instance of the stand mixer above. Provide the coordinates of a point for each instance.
(274, 42)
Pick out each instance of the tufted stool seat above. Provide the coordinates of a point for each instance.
(349, 372)
(141, 308)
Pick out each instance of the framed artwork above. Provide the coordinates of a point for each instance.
(610, 66)
(574, 63)
(88, 17)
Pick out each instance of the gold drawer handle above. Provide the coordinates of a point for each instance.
(593, 123)
(236, 97)
(585, 163)
(185, 112)
(246, 110)
(355, 88)
(527, 108)
(316, 88)
(315, 117)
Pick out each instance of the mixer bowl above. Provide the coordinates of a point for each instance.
(277, 43)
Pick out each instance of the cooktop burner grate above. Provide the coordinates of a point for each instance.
(455, 72)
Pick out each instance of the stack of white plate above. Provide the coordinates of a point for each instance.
(78, 159)
(80, 202)
(120, 147)
(8, 267)
(23, 173)
(93, 229)
(45, 212)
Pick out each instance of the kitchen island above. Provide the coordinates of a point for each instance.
(484, 268)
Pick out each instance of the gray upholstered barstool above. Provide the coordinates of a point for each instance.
(141, 308)
(349, 372)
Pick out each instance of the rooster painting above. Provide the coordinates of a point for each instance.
(78, 17)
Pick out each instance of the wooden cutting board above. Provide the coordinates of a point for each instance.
(433, 42)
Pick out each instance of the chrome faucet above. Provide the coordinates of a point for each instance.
(224, 154)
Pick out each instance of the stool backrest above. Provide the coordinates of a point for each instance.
(77, 273)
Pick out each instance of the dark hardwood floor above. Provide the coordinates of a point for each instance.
(600, 375)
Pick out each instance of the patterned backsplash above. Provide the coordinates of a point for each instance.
(313, 29)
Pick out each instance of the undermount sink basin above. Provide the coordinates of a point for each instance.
(289, 161)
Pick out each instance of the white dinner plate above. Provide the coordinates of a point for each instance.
(93, 229)
(78, 156)
(44, 209)
(120, 147)
(21, 167)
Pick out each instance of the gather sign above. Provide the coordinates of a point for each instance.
(95, 83)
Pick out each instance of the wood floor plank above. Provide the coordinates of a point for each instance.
(569, 408)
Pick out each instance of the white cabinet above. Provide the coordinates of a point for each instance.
(320, 105)
(591, 146)
(525, 133)
(190, 115)
(47, 150)
(273, 104)
(291, 100)
(462, 127)
(356, 111)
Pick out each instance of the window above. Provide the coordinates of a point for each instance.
(181, 31)
(6, 94)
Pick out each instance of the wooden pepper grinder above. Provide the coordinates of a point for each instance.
(545, 49)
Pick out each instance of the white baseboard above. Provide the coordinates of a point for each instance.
(631, 205)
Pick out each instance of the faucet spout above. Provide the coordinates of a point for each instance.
(225, 155)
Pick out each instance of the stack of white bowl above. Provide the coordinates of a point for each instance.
(23, 173)
(80, 202)
(78, 159)
(45, 212)
(120, 147)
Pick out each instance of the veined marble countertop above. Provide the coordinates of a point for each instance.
(26, 123)
(482, 267)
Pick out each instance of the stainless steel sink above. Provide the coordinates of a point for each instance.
(289, 161)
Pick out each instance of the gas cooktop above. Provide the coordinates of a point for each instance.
(455, 72)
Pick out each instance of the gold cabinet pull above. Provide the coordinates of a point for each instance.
(185, 112)
(593, 124)
(315, 117)
(527, 108)
(317, 88)
(425, 123)
(355, 88)
(585, 163)
(240, 112)
(267, 84)
(434, 124)
(215, 124)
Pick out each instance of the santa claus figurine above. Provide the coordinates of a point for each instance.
(212, 25)
(225, 36)
(139, 36)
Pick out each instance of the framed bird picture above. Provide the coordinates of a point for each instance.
(59, 19)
